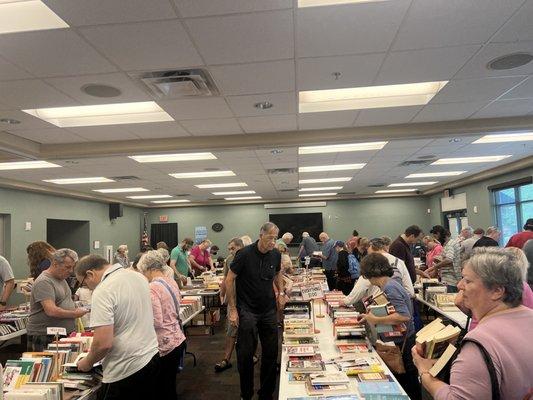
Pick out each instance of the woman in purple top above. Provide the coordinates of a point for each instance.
(492, 288)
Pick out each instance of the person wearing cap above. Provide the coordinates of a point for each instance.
(344, 280)
(519, 239)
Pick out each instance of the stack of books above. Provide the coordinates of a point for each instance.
(297, 310)
(190, 305)
(13, 320)
(446, 302)
(434, 338)
(72, 378)
(328, 383)
(37, 391)
(354, 364)
(305, 364)
(334, 300)
(381, 391)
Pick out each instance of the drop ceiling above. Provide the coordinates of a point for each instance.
(265, 51)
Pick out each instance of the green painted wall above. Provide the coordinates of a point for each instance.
(370, 217)
(477, 194)
(31, 207)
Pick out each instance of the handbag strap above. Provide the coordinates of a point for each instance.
(495, 386)
(176, 303)
(404, 341)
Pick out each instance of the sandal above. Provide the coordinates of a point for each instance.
(222, 366)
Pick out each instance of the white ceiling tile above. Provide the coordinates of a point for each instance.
(153, 130)
(82, 12)
(325, 120)
(9, 71)
(348, 29)
(387, 116)
(243, 106)
(27, 121)
(202, 8)
(266, 77)
(471, 90)
(50, 136)
(244, 38)
(436, 23)
(424, 65)
(271, 123)
(450, 143)
(102, 133)
(523, 91)
(519, 27)
(505, 108)
(53, 53)
(477, 66)
(72, 87)
(447, 111)
(32, 93)
(147, 45)
(216, 126)
(318, 73)
(402, 144)
(183, 109)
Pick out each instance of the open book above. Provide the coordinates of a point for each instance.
(74, 364)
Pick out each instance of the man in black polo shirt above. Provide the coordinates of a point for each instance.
(252, 307)
(401, 248)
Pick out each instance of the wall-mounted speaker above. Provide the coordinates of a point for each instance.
(115, 210)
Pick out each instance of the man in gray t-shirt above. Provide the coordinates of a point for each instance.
(7, 282)
(308, 246)
(51, 302)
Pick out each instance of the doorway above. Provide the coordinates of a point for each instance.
(71, 234)
(455, 221)
(167, 233)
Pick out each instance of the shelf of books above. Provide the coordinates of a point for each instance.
(433, 295)
(13, 323)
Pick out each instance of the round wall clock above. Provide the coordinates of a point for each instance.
(217, 227)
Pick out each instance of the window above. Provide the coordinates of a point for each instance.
(513, 206)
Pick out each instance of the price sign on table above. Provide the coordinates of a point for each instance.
(312, 291)
(56, 331)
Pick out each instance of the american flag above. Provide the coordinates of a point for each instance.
(145, 240)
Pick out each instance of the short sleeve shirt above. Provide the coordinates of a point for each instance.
(402, 303)
(6, 273)
(180, 257)
(328, 251)
(201, 257)
(255, 273)
(309, 245)
(452, 251)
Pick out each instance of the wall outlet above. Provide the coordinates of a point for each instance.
(27, 226)
(429, 210)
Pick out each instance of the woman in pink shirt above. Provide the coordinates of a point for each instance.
(165, 304)
(492, 288)
(200, 257)
(434, 250)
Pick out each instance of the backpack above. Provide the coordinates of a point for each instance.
(353, 267)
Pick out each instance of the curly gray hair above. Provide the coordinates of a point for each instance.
(59, 255)
(152, 260)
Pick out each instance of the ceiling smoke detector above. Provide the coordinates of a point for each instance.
(281, 171)
(510, 61)
(263, 105)
(98, 90)
(195, 82)
(276, 152)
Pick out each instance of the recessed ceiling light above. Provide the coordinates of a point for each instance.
(208, 174)
(338, 167)
(121, 190)
(455, 140)
(341, 148)
(243, 198)
(173, 157)
(410, 94)
(468, 160)
(435, 174)
(263, 105)
(27, 165)
(325, 180)
(412, 184)
(150, 196)
(276, 152)
(312, 189)
(102, 114)
(26, 16)
(316, 194)
(170, 201)
(237, 192)
(505, 137)
(510, 61)
(73, 181)
(10, 121)
(221, 185)
(98, 90)
(319, 3)
(396, 190)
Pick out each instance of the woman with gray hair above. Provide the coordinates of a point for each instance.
(121, 256)
(495, 358)
(165, 296)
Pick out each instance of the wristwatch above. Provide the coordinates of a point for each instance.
(422, 375)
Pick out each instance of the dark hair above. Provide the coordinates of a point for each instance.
(187, 242)
(528, 226)
(37, 253)
(440, 231)
(162, 245)
(479, 231)
(146, 248)
(355, 233)
(413, 230)
(375, 265)
(90, 262)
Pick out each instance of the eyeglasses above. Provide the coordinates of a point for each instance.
(83, 280)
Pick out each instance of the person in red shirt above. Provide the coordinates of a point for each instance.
(520, 238)
(200, 257)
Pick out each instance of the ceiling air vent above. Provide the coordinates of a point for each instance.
(414, 162)
(377, 185)
(281, 171)
(347, 193)
(287, 190)
(182, 195)
(179, 83)
(125, 178)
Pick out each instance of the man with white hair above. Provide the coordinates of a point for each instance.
(329, 259)
(285, 239)
(491, 238)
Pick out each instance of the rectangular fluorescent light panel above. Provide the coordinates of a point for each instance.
(468, 160)
(341, 148)
(238, 192)
(339, 167)
(359, 98)
(150, 196)
(153, 158)
(325, 180)
(102, 114)
(73, 181)
(319, 3)
(506, 137)
(313, 189)
(435, 174)
(207, 174)
(26, 164)
(221, 185)
(407, 184)
(122, 190)
(316, 194)
(396, 190)
(26, 16)
(243, 198)
(170, 201)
